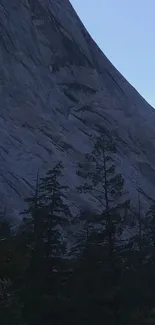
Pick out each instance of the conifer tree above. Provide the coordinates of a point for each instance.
(139, 262)
(150, 232)
(103, 183)
(85, 285)
(48, 215)
(47, 211)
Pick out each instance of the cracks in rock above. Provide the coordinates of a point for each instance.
(85, 108)
(16, 139)
(118, 86)
(71, 96)
(70, 44)
(80, 119)
(4, 149)
(77, 86)
(55, 139)
(86, 133)
(6, 40)
(9, 183)
(28, 183)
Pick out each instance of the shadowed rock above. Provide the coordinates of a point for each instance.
(57, 90)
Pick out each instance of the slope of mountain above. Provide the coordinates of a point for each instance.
(57, 90)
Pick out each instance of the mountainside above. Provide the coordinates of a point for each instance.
(57, 90)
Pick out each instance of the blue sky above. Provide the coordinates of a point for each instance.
(125, 31)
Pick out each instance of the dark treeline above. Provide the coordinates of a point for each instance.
(103, 272)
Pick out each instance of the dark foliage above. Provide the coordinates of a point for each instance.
(106, 277)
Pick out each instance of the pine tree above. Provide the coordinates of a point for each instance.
(13, 263)
(85, 281)
(138, 264)
(57, 213)
(149, 288)
(107, 187)
(48, 216)
(150, 232)
(139, 238)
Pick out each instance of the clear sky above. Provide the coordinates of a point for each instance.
(125, 31)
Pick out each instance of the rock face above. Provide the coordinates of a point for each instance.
(57, 90)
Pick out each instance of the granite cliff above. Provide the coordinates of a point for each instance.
(57, 91)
